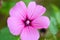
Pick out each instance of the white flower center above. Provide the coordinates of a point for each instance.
(27, 22)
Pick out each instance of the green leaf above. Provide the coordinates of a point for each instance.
(56, 12)
(57, 15)
(6, 35)
(53, 28)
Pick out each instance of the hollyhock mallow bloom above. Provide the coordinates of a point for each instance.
(25, 21)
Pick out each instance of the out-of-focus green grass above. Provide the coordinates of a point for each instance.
(53, 12)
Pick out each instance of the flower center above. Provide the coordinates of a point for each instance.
(27, 22)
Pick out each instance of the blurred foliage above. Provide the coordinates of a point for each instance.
(53, 26)
(53, 12)
(6, 35)
(6, 7)
(4, 12)
(27, 2)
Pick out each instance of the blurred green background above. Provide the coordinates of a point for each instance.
(53, 12)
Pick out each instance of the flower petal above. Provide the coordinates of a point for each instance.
(15, 25)
(37, 10)
(42, 22)
(29, 33)
(19, 10)
(31, 9)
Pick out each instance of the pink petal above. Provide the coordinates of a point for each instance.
(19, 10)
(42, 22)
(29, 33)
(36, 10)
(15, 25)
(31, 9)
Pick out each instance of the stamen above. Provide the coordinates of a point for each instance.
(27, 22)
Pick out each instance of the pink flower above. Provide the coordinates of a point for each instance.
(25, 21)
